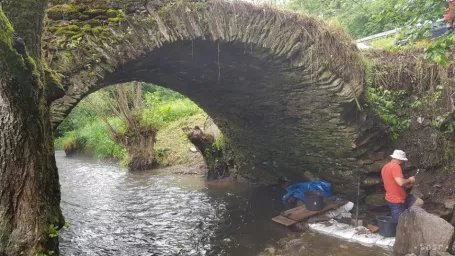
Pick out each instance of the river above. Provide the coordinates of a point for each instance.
(115, 212)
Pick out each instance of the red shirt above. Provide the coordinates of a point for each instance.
(394, 193)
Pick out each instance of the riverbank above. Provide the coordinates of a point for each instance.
(172, 146)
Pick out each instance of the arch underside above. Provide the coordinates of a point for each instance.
(282, 108)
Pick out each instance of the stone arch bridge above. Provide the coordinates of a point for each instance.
(284, 88)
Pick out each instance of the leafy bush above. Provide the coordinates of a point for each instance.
(386, 103)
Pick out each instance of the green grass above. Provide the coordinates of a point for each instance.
(160, 113)
(93, 138)
(383, 43)
(165, 110)
(173, 141)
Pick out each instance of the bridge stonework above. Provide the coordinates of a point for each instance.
(284, 88)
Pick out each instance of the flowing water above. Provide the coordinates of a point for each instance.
(115, 212)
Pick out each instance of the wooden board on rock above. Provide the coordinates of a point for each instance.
(301, 213)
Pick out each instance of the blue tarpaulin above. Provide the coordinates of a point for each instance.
(297, 190)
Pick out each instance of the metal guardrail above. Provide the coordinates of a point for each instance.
(380, 35)
(434, 33)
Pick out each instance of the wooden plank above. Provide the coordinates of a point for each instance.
(286, 213)
(284, 221)
(301, 213)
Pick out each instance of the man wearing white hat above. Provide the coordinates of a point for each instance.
(394, 183)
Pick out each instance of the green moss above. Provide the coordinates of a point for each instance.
(69, 55)
(77, 36)
(102, 17)
(106, 33)
(97, 31)
(94, 12)
(65, 12)
(115, 16)
(86, 28)
(325, 75)
(69, 30)
(53, 80)
(22, 70)
(161, 12)
(103, 14)
(52, 29)
(6, 30)
(31, 62)
(112, 13)
(84, 17)
(94, 22)
(116, 19)
(92, 38)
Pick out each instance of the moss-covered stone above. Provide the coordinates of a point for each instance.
(70, 30)
(111, 13)
(92, 13)
(54, 86)
(65, 12)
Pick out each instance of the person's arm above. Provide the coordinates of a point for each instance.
(399, 178)
(402, 181)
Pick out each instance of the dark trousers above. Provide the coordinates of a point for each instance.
(397, 209)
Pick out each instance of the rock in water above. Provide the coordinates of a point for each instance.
(294, 243)
(417, 228)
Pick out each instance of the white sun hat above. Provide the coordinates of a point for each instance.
(399, 154)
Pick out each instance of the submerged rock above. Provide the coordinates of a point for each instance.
(419, 231)
(294, 243)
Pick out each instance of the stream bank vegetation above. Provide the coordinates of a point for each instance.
(414, 98)
(140, 125)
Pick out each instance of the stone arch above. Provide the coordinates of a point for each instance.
(284, 88)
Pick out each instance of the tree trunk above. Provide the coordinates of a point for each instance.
(29, 188)
(139, 140)
(141, 150)
(26, 17)
(212, 155)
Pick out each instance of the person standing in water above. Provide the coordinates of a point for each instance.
(394, 182)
